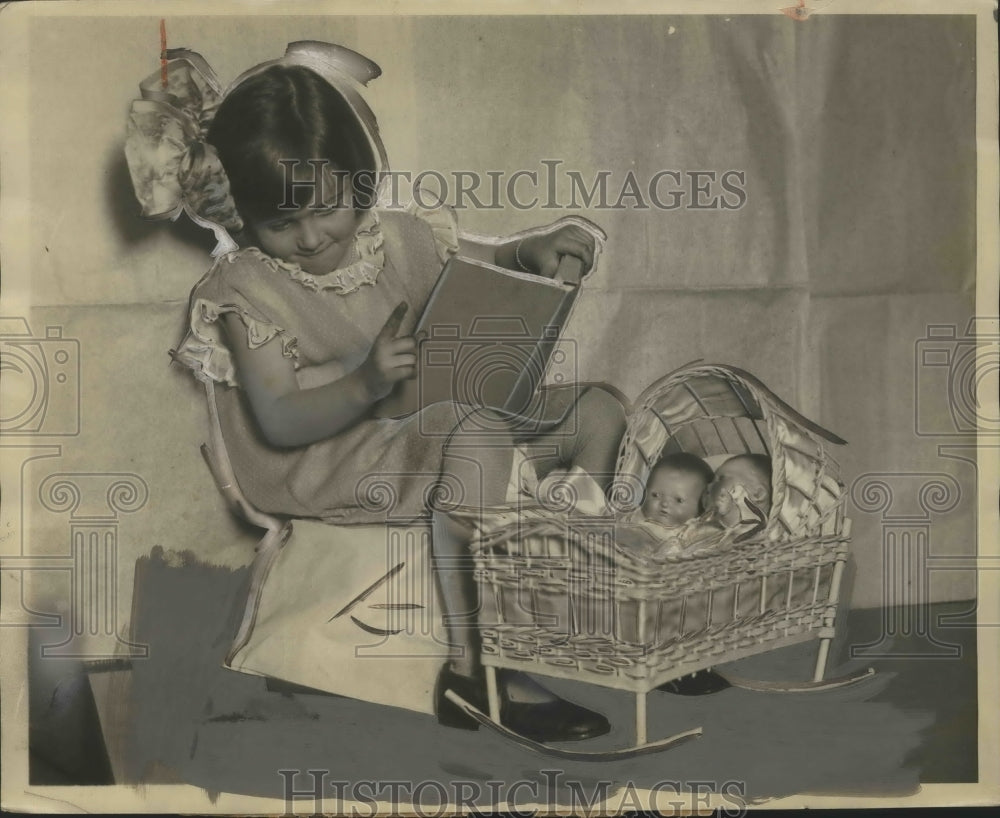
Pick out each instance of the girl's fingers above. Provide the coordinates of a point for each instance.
(406, 343)
(400, 373)
(401, 360)
(581, 240)
(579, 249)
(578, 233)
(585, 254)
(391, 326)
(545, 249)
(549, 266)
(577, 242)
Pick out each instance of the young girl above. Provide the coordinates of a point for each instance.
(311, 324)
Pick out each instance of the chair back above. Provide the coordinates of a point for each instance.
(217, 458)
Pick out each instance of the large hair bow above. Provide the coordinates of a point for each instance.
(174, 170)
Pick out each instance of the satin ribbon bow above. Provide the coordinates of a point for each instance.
(175, 171)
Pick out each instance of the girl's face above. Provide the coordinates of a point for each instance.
(318, 237)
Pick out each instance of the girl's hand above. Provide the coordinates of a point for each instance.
(541, 253)
(391, 359)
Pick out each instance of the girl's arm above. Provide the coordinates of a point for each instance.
(314, 375)
(540, 253)
(289, 416)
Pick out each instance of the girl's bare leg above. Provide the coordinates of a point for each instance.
(453, 567)
(479, 465)
(476, 466)
(475, 472)
(589, 437)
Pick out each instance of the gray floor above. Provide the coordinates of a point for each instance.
(190, 720)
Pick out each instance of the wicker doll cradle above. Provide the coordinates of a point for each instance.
(559, 597)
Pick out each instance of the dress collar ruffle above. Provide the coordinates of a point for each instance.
(367, 252)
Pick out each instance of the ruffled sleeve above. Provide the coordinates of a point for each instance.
(443, 224)
(204, 347)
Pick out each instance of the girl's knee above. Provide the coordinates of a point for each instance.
(477, 458)
(482, 426)
(601, 408)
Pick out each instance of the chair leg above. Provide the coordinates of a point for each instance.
(267, 552)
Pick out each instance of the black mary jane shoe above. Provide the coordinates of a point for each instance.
(698, 684)
(557, 720)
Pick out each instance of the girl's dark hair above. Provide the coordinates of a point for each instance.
(288, 112)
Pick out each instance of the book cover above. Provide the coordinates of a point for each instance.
(486, 337)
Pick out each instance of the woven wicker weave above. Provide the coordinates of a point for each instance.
(559, 595)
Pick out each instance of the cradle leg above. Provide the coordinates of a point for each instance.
(493, 694)
(824, 650)
(830, 619)
(640, 719)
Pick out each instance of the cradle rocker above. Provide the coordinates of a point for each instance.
(559, 597)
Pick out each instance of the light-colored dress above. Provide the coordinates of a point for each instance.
(377, 466)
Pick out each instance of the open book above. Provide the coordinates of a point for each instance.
(486, 337)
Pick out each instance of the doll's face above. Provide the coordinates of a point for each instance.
(672, 496)
(318, 237)
(734, 480)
